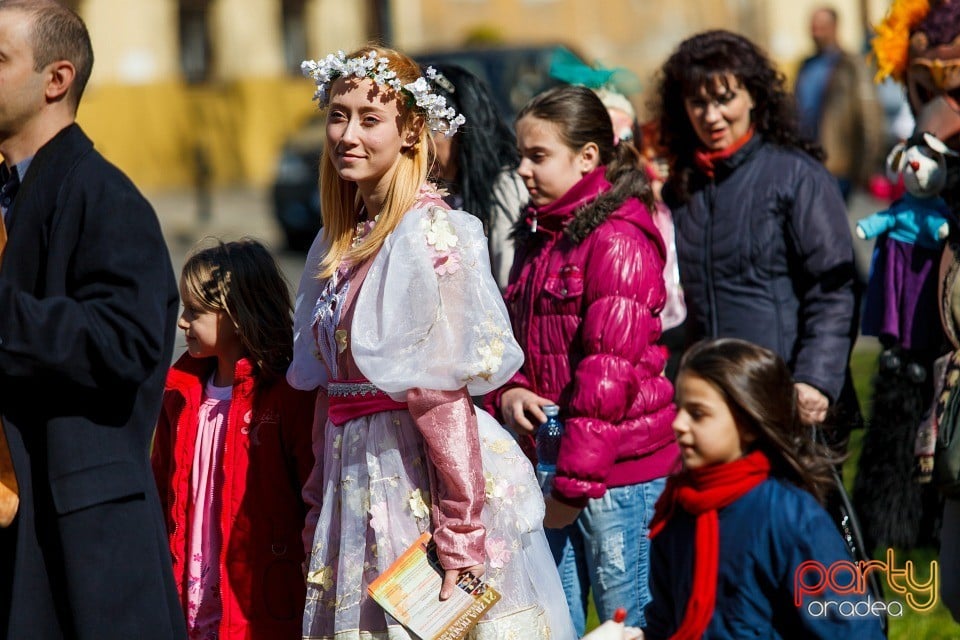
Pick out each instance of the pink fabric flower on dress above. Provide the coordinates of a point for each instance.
(446, 262)
(497, 553)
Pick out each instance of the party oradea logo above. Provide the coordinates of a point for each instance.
(848, 578)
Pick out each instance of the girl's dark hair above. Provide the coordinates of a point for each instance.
(758, 388)
(242, 280)
(700, 61)
(486, 146)
(581, 118)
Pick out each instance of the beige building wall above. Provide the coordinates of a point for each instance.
(631, 33)
(336, 24)
(135, 42)
(159, 129)
(246, 37)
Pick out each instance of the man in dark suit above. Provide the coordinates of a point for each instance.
(89, 305)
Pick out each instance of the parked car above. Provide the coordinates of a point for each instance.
(514, 75)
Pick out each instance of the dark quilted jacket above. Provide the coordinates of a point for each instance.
(766, 255)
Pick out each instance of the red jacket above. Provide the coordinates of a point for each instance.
(267, 457)
(585, 295)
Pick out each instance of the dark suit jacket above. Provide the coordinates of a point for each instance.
(89, 306)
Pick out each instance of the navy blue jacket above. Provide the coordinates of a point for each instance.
(766, 255)
(764, 536)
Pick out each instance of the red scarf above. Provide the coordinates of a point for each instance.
(706, 159)
(701, 492)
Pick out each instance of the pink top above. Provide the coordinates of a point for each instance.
(203, 530)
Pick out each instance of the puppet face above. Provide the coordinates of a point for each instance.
(933, 86)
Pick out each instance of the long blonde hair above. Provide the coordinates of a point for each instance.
(339, 199)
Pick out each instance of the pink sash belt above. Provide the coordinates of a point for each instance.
(352, 399)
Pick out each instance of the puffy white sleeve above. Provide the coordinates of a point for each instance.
(429, 314)
(306, 370)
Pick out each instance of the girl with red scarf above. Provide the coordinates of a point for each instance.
(739, 541)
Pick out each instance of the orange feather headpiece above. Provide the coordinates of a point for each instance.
(891, 44)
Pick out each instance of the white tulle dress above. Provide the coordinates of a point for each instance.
(424, 323)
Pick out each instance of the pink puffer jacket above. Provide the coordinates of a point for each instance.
(585, 295)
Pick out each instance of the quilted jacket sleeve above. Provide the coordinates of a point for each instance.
(824, 249)
(619, 375)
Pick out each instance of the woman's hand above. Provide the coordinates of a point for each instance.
(558, 514)
(452, 576)
(812, 404)
(516, 403)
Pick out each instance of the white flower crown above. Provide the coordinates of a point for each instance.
(440, 117)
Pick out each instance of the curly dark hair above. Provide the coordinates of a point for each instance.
(702, 60)
(759, 389)
(486, 146)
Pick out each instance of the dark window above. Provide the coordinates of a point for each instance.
(195, 51)
(294, 25)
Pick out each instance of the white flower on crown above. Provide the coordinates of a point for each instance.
(440, 117)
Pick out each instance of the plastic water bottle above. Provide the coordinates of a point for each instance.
(548, 447)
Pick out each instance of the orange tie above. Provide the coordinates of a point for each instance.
(9, 490)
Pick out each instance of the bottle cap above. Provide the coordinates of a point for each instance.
(551, 410)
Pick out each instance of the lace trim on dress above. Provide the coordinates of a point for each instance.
(326, 319)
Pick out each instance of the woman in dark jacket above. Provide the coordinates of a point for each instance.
(763, 243)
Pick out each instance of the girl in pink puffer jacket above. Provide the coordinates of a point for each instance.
(585, 296)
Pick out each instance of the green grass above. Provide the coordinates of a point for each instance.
(933, 625)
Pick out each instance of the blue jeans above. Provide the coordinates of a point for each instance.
(606, 549)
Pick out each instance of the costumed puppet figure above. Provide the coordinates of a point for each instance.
(917, 44)
(901, 295)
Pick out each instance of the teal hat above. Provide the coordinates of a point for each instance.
(567, 67)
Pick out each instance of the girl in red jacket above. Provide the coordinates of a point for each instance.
(585, 295)
(232, 450)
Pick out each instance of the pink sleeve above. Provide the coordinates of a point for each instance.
(448, 424)
(313, 487)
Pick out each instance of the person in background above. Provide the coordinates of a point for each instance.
(763, 242)
(399, 322)
(623, 116)
(626, 128)
(839, 107)
(735, 534)
(232, 449)
(585, 295)
(89, 305)
(477, 166)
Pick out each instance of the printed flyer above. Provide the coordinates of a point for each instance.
(409, 591)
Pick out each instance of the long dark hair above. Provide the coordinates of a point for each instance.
(758, 388)
(486, 146)
(243, 280)
(702, 60)
(581, 118)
